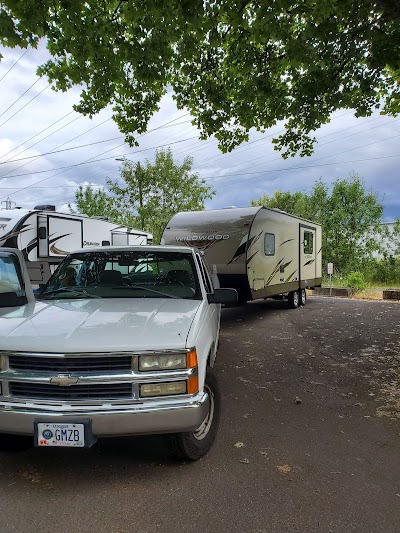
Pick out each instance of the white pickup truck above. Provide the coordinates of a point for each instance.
(121, 341)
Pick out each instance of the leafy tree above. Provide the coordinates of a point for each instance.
(350, 215)
(93, 202)
(294, 203)
(235, 64)
(150, 194)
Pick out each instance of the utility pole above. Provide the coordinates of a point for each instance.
(8, 204)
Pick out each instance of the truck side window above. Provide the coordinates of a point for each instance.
(308, 242)
(269, 244)
(206, 280)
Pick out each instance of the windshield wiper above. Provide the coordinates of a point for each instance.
(81, 292)
(150, 290)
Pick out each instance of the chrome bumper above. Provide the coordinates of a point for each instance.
(164, 417)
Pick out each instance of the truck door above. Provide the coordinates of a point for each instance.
(307, 254)
(15, 287)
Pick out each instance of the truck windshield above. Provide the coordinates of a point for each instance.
(133, 274)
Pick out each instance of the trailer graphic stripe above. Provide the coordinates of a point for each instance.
(291, 276)
(254, 239)
(284, 242)
(9, 235)
(310, 262)
(275, 271)
(54, 249)
(251, 257)
(245, 246)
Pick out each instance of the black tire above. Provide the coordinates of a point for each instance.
(14, 443)
(293, 299)
(302, 297)
(193, 445)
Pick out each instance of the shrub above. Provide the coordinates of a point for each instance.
(356, 280)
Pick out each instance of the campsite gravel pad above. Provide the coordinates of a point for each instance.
(309, 439)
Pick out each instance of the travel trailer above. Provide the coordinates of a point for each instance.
(45, 237)
(258, 251)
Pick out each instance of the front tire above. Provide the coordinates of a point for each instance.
(293, 299)
(193, 445)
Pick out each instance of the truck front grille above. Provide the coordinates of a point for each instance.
(112, 391)
(67, 365)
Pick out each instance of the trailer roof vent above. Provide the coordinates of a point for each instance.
(45, 207)
(230, 207)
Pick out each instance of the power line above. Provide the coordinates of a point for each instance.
(23, 107)
(97, 160)
(19, 98)
(312, 166)
(65, 149)
(71, 198)
(10, 160)
(89, 160)
(59, 146)
(14, 64)
(244, 148)
(321, 144)
(36, 134)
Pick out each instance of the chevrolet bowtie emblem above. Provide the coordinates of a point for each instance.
(64, 380)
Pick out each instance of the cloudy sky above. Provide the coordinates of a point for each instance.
(35, 120)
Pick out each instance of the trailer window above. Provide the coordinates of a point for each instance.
(269, 244)
(308, 242)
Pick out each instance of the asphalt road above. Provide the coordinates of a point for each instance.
(309, 440)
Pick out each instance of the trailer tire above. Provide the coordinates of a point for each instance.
(193, 445)
(293, 299)
(302, 297)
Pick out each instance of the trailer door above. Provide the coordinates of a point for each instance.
(65, 235)
(308, 254)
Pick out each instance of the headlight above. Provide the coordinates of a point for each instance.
(163, 389)
(148, 363)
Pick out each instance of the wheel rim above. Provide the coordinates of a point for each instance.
(202, 431)
(296, 298)
(303, 296)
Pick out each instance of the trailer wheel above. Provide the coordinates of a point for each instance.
(293, 299)
(193, 445)
(303, 297)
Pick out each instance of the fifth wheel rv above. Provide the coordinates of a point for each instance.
(260, 252)
(45, 237)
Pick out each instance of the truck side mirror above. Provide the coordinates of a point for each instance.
(8, 299)
(223, 296)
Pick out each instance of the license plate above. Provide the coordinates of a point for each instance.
(60, 434)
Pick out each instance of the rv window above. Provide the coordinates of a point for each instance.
(308, 242)
(269, 244)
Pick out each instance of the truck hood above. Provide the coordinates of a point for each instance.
(98, 325)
